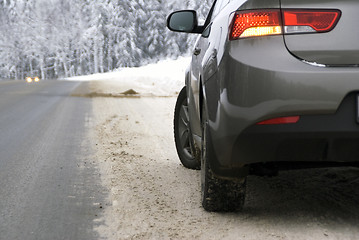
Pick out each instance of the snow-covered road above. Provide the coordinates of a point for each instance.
(152, 196)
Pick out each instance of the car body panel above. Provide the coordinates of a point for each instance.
(211, 44)
(337, 47)
(255, 4)
(270, 85)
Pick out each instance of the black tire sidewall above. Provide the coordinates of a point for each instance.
(218, 195)
(204, 160)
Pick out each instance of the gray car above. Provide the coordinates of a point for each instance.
(273, 85)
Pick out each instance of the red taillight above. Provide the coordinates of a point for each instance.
(312, 20)
(282, 120)
(255, 23)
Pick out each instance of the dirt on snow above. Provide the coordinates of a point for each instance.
(152, 196)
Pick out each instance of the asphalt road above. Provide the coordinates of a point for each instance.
(50, 187)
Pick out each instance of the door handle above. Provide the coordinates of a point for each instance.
(197, 51)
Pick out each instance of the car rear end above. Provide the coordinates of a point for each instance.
(289, 85)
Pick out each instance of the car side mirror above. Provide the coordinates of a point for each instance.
(183, 21)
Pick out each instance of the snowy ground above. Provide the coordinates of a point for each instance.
(166, 78)
(152, 196)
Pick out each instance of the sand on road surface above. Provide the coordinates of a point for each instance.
(152, 196)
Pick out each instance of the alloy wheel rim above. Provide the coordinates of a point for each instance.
(183, 130)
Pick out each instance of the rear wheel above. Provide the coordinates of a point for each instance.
(218, 195)
(182, 133)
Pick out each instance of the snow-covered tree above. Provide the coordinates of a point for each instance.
(60, 38)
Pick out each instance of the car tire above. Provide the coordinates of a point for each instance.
(182, 133)
(218, 195)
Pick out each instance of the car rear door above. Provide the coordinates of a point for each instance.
(338, 47)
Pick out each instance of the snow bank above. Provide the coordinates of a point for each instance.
(164, 78)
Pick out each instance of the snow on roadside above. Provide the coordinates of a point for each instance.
(165, 78)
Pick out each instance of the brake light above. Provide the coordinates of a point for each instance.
(282, 120)
(299, 21)
(255, 23)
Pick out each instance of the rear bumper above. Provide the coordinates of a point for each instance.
(314, 141)
(259, 80)
(315, 138)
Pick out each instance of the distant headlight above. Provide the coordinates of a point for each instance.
(29, 79)
(36, 79)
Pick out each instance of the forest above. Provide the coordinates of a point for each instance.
(62, 38)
